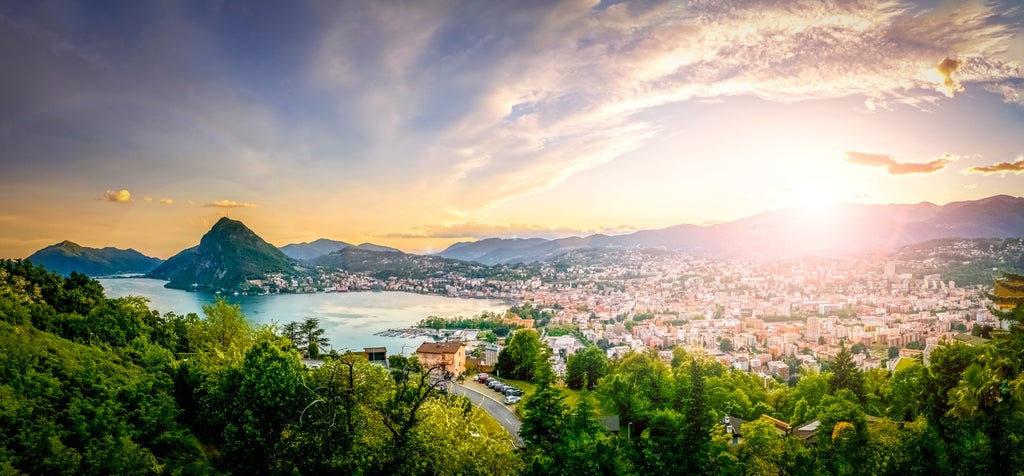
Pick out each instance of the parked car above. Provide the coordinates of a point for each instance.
(493, 383)
(482, 378)
(512, 399)
(500, 387)
(513, 391)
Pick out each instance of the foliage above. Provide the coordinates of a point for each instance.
(846, 375)
(522, 356)
(485, 321)
(586, 368)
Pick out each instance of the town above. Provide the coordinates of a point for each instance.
(767, 318)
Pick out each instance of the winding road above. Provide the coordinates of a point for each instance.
(496, 409)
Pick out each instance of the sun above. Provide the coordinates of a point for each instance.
(816, 199)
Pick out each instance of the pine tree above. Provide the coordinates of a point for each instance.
(845, 374)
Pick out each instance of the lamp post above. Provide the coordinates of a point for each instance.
(629, 427)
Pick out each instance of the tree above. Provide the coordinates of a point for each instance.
(725, 345)
(586, 367)
(544, 424)
(522, 355)
(893, 352)
(842, 432)
(696, 435)
(845, 374)
(260, 407)
(765, 451)
(223, 332)
(311, 337)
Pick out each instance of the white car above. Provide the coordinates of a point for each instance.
(512, 399)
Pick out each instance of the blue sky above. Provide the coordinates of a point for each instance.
(417, 124)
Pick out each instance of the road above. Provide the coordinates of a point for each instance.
(496, 409)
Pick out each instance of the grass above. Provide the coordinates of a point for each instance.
(572, 397)
(488, 424)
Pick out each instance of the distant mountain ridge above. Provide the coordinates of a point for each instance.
(313, 249)
(323, 246)
(66, 256)
(845, 228)
(227, 255)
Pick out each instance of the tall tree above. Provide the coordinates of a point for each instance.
(262, 405)
(845, 374)
(522, 356)
(697, 434)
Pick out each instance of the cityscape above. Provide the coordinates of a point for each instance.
(482, 237)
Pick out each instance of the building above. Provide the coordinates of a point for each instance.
(448, 357)
(813, 329)
(377, 355)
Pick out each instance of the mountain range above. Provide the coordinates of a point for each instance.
(846, 228)
(230, 253)
(65, 257)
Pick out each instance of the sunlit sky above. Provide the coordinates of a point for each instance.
(417, 124)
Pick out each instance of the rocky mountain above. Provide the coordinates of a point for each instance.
(65, 257)
(228, 255)
(841, 229)
(313, 250)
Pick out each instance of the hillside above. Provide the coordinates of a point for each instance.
(228, 255)
(65, 257)
(386, 264)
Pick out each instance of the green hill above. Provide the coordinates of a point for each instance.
(65, 257)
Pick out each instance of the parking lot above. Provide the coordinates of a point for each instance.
(481, 388)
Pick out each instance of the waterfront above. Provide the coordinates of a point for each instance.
(350, 320)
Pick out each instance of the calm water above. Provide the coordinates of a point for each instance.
(349, 319)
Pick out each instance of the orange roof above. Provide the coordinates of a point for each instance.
(440, 347)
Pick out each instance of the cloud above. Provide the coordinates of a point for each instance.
(472, 229)
(230, 204)
(1000, 168)
(166, 201)
(117, 196)
(147, 199)
(893, 167)
(514, 100)
(946, 68)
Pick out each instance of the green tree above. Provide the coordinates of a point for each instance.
(842, 432)
(765, 451)
(845, 374)
(544, 415)
(696, 435)
(522, 356)
(262, 401)
(725, 345)
(636, 384)
(587, 367)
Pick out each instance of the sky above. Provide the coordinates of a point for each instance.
(417, 124)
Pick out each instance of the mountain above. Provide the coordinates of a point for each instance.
(323, 246)
(65, 257)
(841, 229)
(308, 251)
(227, 255)
(386, 263)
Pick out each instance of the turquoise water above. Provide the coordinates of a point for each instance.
(350, 320)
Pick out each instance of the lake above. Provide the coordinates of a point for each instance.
(349, 320)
